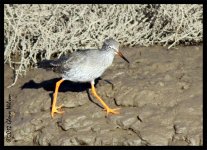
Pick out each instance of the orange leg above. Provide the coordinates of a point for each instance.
(56, 109)
(106, 107)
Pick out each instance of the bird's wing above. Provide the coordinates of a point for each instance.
(66, 62)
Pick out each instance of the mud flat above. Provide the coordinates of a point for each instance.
(159, 93)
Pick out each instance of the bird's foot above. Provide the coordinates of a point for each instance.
(57, 109)
(113, 111)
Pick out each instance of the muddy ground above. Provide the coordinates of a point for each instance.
(159, 93)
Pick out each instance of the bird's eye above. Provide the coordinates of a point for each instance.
(111, 47)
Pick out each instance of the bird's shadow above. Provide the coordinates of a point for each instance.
(49, 85)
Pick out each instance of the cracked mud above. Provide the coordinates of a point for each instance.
(159, 93)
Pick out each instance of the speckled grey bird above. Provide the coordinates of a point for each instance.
(84, 66)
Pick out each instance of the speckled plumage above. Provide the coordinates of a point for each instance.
(86, 65)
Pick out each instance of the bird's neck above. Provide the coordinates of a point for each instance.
(107, 56)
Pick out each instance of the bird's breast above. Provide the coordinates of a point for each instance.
(89, 70)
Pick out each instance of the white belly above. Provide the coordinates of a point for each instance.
(85, 74)
(92, 68)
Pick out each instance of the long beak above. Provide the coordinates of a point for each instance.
(122, 56)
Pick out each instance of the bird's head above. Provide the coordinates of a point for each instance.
(111, 44)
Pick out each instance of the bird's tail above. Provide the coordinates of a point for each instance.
(45, 64)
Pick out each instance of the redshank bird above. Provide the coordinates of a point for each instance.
(84, 66)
